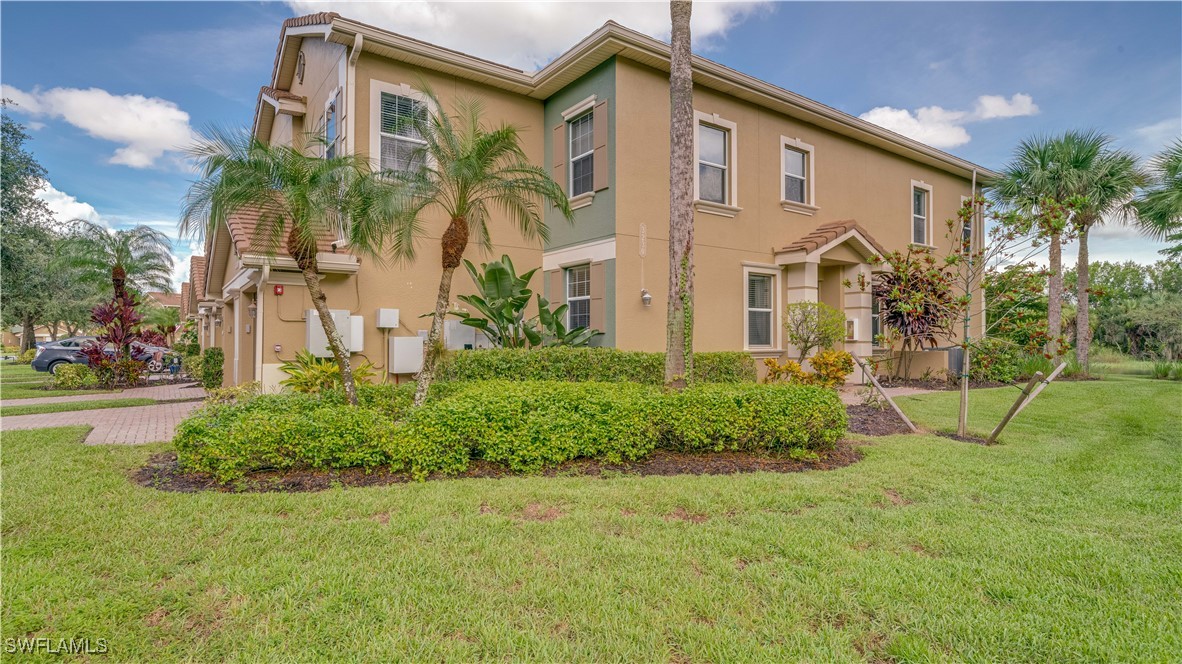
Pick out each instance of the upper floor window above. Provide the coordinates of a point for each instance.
(401, 141)
(582, 155)
(921, 207)
(796, 186)
(331, 128)
(578, 297)
(713, 164)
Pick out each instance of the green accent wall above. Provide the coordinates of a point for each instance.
(598, 220)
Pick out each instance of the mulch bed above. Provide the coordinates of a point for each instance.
(162, 471)
(871, 421)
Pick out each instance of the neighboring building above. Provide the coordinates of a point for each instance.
(166, 300)
(793, 198)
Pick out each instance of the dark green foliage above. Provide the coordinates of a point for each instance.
(995, 360)
(793, 419)
(524, 426)
(211, 368)
(591, 364)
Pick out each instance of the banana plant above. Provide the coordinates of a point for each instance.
(501, 298)
(554, 332)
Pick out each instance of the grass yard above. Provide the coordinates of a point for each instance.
(1063, 544)
(40, 408)
(20, 381)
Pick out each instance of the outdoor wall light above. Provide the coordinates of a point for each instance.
(217, 321)
(646, 297)
(252, 310)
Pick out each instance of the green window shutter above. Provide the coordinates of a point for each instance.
(558, 153)
(599, 127)
(598, 290)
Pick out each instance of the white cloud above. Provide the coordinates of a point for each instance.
(146, 127)
(527, 34)
(67, 208)
(943, 128)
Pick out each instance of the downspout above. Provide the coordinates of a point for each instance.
(258, 322)
(350, 95)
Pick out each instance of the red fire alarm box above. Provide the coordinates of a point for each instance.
(279, 289)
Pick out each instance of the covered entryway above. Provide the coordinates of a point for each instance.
(832, 264)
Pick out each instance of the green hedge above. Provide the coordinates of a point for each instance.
(211, 367)
(524, 426)
(590, 364)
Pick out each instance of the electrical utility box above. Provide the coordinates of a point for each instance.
(457, 336)
(406, 354)
(387, 319)
(314, 338)
(356, 338)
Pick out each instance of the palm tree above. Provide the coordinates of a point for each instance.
(140, 257)
(299, 200)
(464, 171)
(1159, 207)
(679, 322)
(1077, 166)
(164, 320)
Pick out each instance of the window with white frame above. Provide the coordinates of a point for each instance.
(331, 128)
(713, 164)
(401, 142)
(578, 297)
(796, 186)
(760, 318)
(582, 154)
(921, 198)
(875, 322)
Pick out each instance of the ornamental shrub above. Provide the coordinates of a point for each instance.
(73, 377)
(191, 365)
(831, 367)
(996, 360)
(211, 368)
(607, 365)
(26, 357)
(793, 419)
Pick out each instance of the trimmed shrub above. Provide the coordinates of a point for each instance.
(607, 365)
(26, 357)
(793, 419)
(282, 431)
(211, 368)
(73, 377)
(191, 365)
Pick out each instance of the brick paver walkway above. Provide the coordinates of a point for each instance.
(112, 426)
(164, 392)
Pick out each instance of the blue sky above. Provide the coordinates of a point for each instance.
(111, 89)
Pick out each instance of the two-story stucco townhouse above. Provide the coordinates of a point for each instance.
(793, 199)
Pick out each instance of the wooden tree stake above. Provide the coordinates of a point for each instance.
(1015, 408)
(1042, 386)
(873, 381)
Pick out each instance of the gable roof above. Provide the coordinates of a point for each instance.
(197, 276)
(243, 227)
(610, 40)
(826, 233)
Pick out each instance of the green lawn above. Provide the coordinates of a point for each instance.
(1063, 544)
(36, 409)
(19, 381)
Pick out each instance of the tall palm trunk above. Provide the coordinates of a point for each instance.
(305, 258)
(679, 359)
(1055, 296)
(454, 241)
(1083, 328)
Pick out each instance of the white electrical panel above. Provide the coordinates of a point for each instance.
(406, 354)
(457, 336)
(356, 341)
(387, 319)
(315, 340)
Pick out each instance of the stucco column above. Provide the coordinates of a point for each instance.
(801, 286)
(856, 301)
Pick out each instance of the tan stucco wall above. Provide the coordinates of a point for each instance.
(324, 66)
(852, 181)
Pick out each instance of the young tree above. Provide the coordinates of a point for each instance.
(917, 300)
(464, 169)
(140, 257)
(812, 325)
(299, 199)
(679, 358)
(1159, 206)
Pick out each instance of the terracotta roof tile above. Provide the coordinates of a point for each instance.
(184, 300)
(243, 227)
(197, 274)
(310, 19)
(165, 299)
(275, 93)
(826, 233)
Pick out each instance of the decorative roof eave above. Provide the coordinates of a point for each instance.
(824, 238)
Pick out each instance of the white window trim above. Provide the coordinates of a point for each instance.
(809, 206)
(566, 273)
(582, 200)
(595, 251)
(376, 88)
(920, 184)
(731, 207)
(774, 273)
(578, 109)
